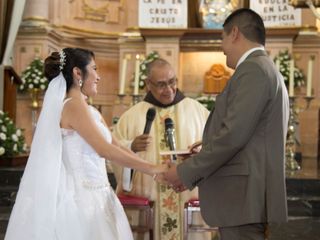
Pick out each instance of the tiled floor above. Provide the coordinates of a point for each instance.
(304, 219)
(307, 226)
(298, 228)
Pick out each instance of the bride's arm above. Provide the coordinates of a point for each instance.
(77, 116)
(115, 141)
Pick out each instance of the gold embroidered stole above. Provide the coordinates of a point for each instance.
(169, 208)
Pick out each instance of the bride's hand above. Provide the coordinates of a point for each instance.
(160, 168)
(158, 172)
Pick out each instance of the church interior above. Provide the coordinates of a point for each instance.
(112, 30)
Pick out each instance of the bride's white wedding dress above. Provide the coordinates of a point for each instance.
(64, 192)
(87, 207)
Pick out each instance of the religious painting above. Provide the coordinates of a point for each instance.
(212, 13)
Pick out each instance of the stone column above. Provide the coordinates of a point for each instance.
(36, 13)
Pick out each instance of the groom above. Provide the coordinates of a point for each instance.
(240, 168)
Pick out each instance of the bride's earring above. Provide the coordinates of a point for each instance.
(80, 83)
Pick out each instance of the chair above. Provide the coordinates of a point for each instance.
(191, 207)
(142, 205)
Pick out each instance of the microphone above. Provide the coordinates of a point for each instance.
(151, 113)
(170, 138)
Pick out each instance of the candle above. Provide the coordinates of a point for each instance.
(291, 79)
(309, 77)
(123, 76)
(136, 76)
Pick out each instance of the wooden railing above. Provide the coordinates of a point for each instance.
(11, 80)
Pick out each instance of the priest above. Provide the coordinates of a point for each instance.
(188, 117)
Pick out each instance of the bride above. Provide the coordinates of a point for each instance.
(64, 193)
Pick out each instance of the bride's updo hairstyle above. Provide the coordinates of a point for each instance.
(64, 61)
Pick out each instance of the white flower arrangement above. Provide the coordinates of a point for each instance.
(33, 76)
(143, 68)
(207, 101)
(12, 141)
(284, 60)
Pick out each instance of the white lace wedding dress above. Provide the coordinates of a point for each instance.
(64, 193)
(87, 207)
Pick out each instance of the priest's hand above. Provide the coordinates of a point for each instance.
(195, 147)
(140, 143)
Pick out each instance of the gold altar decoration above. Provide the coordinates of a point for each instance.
(107, 11)
(291, 163)
(304, 3)
(34, 95)
(215, 79)
(291, 143)
(95, 14)
(312, 4)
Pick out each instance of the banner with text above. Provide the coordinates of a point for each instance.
(163, 13)
(277, 13)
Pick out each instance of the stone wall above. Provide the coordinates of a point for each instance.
(109, 28)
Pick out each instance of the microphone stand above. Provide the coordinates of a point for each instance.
(170, 143)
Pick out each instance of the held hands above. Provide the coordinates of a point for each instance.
(159, 170)
(170, 177)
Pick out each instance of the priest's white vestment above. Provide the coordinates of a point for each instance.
(189, 118)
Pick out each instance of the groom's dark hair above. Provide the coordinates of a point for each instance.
(250, 24)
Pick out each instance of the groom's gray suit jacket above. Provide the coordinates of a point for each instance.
(240, 169)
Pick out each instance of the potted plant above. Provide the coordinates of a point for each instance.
(143, 67)
(34, 81)
(284, 67)
(12, 142)
(207, 101)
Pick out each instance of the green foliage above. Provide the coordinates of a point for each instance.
(143, 68)
(33, 76)
(207, 101)
(284, 59)
(12, 140)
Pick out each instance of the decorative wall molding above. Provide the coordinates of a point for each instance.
(98, 10)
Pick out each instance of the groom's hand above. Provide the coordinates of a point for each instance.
(172, 178)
